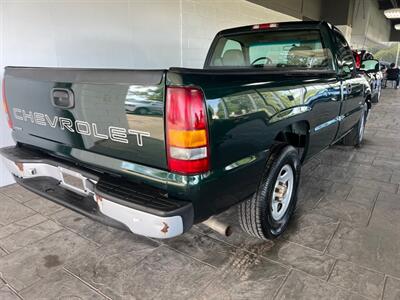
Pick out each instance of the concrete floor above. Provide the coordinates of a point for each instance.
(344, 242)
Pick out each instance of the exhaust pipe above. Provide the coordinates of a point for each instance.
(218, 226)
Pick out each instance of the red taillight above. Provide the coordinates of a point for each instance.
(265, 26)
(5, 105)
(357, 58)
(187, 131)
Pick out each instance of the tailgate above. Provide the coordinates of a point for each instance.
(117, 113)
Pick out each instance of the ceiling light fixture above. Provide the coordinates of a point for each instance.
(393, 13)
(397, 26)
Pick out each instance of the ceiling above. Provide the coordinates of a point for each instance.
(388, 4)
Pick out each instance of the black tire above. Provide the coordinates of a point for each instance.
(255, 214)
(355, 136)
(142, 111)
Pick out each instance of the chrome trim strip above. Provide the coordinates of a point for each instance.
(241, 162)
(328, 123)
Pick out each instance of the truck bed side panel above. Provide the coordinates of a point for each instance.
(246, 113)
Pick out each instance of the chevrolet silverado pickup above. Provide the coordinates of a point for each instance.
(156, 151)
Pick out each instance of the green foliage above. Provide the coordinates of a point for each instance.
(387, 54)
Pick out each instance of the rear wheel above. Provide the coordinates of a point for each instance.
(142, 111)
(267, 214)
(356, 135)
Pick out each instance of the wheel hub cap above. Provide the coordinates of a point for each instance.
(282, 194)
(280, 191)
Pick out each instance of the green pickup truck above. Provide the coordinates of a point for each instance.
(156, 151)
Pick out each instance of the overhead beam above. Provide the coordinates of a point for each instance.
(388, 4)
(338, 12)
(300, 9)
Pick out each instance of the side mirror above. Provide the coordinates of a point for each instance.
(345, 72)
(370, 65)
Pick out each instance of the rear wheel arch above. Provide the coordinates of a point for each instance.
(256, 214)
(288, 148)
(296, 135)
(355, 136)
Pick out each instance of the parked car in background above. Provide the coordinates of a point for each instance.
(360, 56)
(144, 107)
(372, 70)
(143, 101)
(270, 97)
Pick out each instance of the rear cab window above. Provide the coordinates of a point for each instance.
(291, 49)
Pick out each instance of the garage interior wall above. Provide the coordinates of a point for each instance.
(115, 34)
(370, 28)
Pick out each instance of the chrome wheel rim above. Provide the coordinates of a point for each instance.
(282, 194)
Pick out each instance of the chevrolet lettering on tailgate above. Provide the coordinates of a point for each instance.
(116, 134)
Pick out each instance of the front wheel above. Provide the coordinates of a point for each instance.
(267, 214)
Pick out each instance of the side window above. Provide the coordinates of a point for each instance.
(345, 55)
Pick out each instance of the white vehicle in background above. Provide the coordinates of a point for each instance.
(144, 107)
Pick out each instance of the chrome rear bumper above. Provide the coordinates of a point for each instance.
(44, 176)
